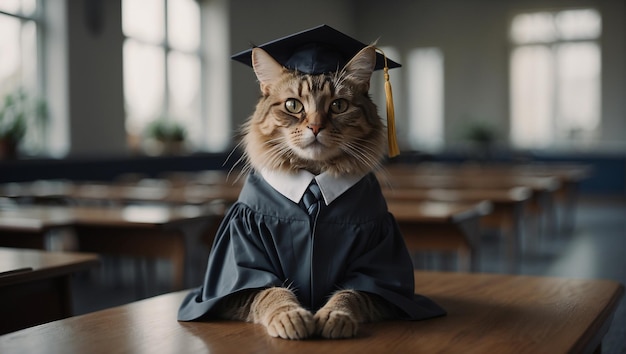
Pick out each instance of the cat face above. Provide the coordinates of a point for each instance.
(321, 123)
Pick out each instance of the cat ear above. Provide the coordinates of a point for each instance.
(361, 66)
(266, 68)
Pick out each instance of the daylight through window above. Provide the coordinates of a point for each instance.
(425, 72)
(20, 73)
(163, 65)
(555, 78)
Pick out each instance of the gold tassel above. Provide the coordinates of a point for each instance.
(394, 150)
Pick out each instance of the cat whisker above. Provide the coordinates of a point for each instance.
(276, 155)
(364, 158)
(239, 160)
(367, 144)
(245, 170)
(369, 155)
(364, 149)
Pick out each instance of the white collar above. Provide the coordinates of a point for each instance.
(293, 185)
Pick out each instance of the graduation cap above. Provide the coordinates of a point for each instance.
(317, 50)
(323, 49)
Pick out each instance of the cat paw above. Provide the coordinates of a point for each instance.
(292, 324)
(335, 324)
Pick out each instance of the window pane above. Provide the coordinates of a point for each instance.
(144, 19)
(10, 6)
(10, 58)
(34, 140)
(578, 100)
(29, 56)
(532, 88)
(579, 24)
(425, 69)
(184, 92)
(29, 7)
(536, 27)
(144, 84)
(184, 24)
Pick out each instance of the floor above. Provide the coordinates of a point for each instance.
(595, 248)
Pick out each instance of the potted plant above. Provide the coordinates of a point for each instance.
(18, 113)
(165, 136)
(482, 136)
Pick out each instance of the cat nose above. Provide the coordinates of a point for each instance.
(315, 128)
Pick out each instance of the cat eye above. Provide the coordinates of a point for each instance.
(293, 106)
(339, 106)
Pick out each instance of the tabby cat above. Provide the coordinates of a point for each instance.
(320, 123)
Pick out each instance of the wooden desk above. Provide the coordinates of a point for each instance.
(486, 314)
(441, 227)
(158, 191)
(541, 205)
(28, 229)
(35, 285)
(569, 175)
(148, 231)
(507, 215)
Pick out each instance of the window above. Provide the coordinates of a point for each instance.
(555, 78)
(425, 72)
(19, 60)
(163, 65)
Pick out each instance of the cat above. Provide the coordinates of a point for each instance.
(319, 123)
(324, 122)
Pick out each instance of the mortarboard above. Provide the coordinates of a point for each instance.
(314, 51)
(323, 49)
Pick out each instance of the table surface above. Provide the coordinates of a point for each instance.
(453, 181)
(437, 211)
(21, 265)
(42, 217)
(504, 195)
(565, 172)
(486, 313)
(33, 218)
(161, 191)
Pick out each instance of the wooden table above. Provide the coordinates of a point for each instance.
(569, 176)
(149, 231)
(486, 314)
(35, 285)
(154, 191)
(507, 215)
(441, 227)
(541, 206)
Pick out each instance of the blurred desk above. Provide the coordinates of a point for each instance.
(27, 227)
(568, 175)
(507, 215)
(179, 195)
(157, 191)
(149, 231)
(487, 313)
(540, 206)
(396, 179)
(441, 226)
(35, 285)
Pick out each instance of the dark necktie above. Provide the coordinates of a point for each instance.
(311, 199)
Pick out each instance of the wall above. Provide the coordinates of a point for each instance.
(473, 38)
(96, 101)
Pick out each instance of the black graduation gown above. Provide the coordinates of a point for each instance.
(267, 240)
